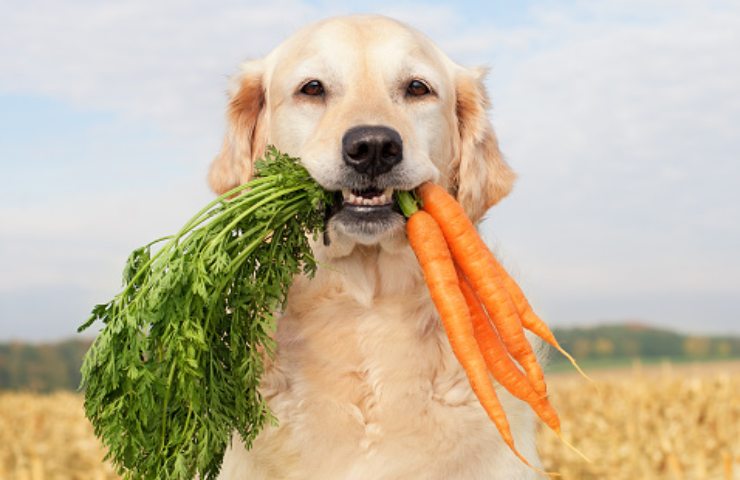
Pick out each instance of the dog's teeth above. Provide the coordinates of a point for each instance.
(383, 198)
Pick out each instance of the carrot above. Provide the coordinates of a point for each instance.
(479, 265)
(503, 369)
(434, 197)
(461, 311)
(428, 243)
(500, 364)
(529, 319)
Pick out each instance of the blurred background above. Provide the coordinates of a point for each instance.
(620, 117)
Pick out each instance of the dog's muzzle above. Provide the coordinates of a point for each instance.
(366, 206)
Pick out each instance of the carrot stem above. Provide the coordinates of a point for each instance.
(408, 203)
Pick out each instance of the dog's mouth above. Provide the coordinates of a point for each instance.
(366, 214)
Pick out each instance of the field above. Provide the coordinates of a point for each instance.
(662, 422)
(678, 422)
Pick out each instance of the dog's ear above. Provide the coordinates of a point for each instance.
(480, 176)
(245, 130)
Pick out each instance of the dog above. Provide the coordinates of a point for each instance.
(364, 384)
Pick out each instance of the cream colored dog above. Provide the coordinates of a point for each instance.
(364, 383)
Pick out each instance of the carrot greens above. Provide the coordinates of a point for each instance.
(176, 367)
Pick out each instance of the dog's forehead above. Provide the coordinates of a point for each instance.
(347, 46)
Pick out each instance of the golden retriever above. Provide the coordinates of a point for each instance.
(364, 383)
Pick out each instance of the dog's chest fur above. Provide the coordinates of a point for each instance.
(365, 387)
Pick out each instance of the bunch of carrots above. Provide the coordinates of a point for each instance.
(482, 309)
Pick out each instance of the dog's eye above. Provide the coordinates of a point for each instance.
(313, 88)
(417, 88)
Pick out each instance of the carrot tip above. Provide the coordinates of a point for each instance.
(572, 447)
(538, 470)
(575, 365)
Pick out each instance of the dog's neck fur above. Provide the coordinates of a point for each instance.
(367, 272)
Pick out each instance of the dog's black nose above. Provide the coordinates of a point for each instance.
(372, 150)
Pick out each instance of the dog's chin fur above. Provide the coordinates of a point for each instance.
(381, 229)
(363, 383)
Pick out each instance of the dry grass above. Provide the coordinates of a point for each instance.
(664, 423)
(48, 437)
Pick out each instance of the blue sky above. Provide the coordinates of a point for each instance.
(619, 116)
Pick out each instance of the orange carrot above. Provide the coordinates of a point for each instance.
(435, 241)
(529, 319)
(479, 266)
(428, 243)
(500, 364)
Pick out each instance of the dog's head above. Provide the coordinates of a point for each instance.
(370, 106)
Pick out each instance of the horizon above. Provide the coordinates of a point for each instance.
(620, 119)
(626, 324)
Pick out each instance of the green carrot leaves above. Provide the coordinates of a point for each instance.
(176, 368)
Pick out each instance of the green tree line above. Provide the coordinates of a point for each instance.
(56, 366)
(640, 341)
(41, 367)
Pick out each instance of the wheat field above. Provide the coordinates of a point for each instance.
(678, 423)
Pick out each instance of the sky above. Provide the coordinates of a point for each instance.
(620, 117)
